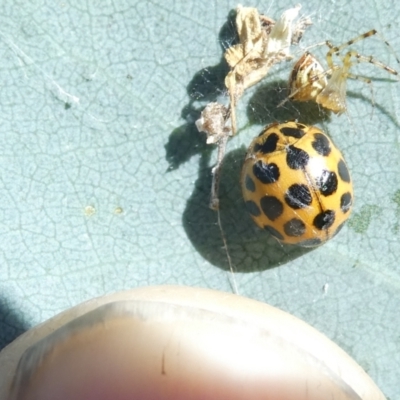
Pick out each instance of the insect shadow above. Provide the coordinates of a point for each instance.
(374, 105)
(250, 248)
(262, 107)
(11, 325)
(205, 87)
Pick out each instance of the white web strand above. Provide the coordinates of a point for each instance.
(232, 279)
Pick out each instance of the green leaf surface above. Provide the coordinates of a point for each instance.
(105, 180)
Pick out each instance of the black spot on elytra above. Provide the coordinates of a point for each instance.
(294, 228)
(345, 202)
(324, 220)
(249, 184)
(273, 232)
(293, 132)
(298, 196)
(266, 173)
(296, 158)
(271, 207)
(253, 208)
(321, 144)
(343, 171)
(268, 146)
(327, 182)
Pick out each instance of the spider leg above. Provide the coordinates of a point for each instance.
(335, 50)
(371, 60)
(360, 58)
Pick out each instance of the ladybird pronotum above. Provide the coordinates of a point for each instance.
(296, 184)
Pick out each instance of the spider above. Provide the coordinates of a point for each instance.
(309, 81)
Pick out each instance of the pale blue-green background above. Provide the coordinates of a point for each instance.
(97, 103)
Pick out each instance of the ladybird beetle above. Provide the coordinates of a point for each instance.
(296, 184)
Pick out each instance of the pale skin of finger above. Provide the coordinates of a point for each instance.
(182, 343)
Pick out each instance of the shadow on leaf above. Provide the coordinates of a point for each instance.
(250, 248)
(205, 87)
(262, 107)
(11, 326)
